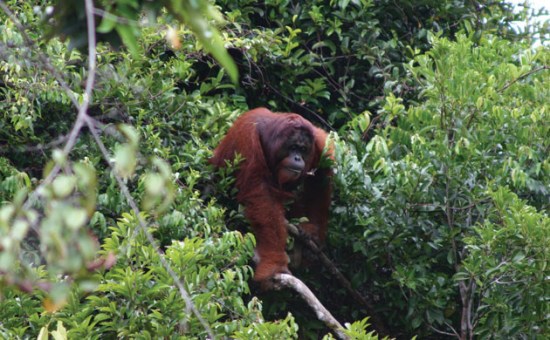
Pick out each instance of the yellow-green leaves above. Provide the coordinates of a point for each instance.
(159, 187)
(87, 185)
(359, 123)
(292, 43)
(125, 160)
(120, 22)
(74, 218)
(63, 186)
(71, 199)
(125, 157)
(196, 15)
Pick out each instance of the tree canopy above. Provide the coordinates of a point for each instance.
(112, 223)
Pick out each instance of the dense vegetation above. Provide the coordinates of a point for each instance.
(113, 225)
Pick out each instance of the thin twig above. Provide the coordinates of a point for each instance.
(454, 334)
(512, 82)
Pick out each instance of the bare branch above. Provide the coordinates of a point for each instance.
(376, 322)
(454, 334)
(290, 281)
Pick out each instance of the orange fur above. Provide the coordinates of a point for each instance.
(258, 135)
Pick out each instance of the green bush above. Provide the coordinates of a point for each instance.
(439, 220)
(506, 263)
(337, 59)
(408, 201)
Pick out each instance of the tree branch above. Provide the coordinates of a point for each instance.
(376, 322)
(290, 281)
(512, 82)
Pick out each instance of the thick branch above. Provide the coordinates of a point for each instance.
(289, 281)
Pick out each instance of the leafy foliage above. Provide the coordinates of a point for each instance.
(120, 24)
(439, 220)
(507, 261)
(336, 59)
(429, 176)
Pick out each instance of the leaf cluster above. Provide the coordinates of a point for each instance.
(439, 217)
(418, 204)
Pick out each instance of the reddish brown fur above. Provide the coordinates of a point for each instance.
(260, 190)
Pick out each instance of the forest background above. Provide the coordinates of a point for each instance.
(113, 225)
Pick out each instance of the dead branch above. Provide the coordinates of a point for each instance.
(290, 281)
(376, 322)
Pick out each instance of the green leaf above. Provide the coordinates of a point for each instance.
(106, 25)
(75, 218)
(154, 184)
(63, 185)
(128, 37)
(60, 333)
(194, 15)
(129, 133)
(19, 229)
(518, 257)
(59, 157)
(43, 335)
(125, 160)
(86, 176)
